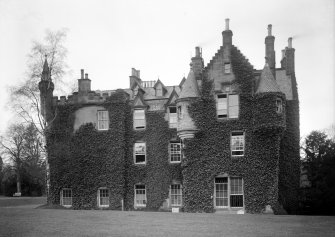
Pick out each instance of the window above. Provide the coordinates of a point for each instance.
(237, 144)
(139, 152)
(103, 197)
(66, 197)
(159, 91)
(139, 119)
(103, 121)
(180, 115)
(279, 105)
(227, 106)
(228, 192)
(236, 192)
(227, 68)
(140, 196)
(173, 117)
(175, 195)
(175, 152)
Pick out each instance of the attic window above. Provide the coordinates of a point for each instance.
(279, 106)
(227, 68)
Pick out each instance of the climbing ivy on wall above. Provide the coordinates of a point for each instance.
(87, 159)
(208, 154)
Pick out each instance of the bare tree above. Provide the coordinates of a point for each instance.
(25, 99)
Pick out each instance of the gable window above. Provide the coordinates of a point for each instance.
(227, 106)
(139, 119)
(159, 91)
(103, 197)
(227, 68)
(175, 152)
(103, 121)
(279, 105)
(228, 192)
(139, 153)
(66, 197)
(237, 143)
(173, 117)
(175, 194)
(140, 196)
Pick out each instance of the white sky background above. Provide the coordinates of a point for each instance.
(108, 38)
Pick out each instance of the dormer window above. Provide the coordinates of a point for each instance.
(159, 91)
(279, 106)
(227, 68)
(139, 119)
(173, 117)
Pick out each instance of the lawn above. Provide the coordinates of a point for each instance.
(25, 220)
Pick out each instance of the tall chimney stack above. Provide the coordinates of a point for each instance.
(290, 43)
(197, 63)
(227, 35)
(82, 73)
(270, 53)
(84, 84)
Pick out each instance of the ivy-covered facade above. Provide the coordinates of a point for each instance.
(226, 139)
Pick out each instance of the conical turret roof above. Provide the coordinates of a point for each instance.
(267, 83)
(190, 87)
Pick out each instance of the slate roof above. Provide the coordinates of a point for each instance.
(190, 87)
(267, 82)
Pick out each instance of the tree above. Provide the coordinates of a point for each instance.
(319, 162)
(22, 148)
(1, 174)
(25, 99)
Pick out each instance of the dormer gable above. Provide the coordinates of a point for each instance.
(160, 89)
(172, 99)
(139, 101)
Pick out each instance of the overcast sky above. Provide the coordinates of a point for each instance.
(108, 38)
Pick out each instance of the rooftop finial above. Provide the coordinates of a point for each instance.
(290, 42)
(270, 30)
(227, 24)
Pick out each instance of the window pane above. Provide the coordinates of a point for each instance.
(175, 195)
(237, 143)
(140, 197)
(175, 152)
(103, 120)
(233, 106)
(139, 118)
(140, 148)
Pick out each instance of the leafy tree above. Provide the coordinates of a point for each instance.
(319, 162)
(22, 148)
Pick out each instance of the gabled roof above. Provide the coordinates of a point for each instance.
(190, 87)
(139, 100)
(159, 82)
(172, 98)
(267, 82)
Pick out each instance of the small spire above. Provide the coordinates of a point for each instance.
(45, 66)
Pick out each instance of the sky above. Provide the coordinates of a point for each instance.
(108, 38)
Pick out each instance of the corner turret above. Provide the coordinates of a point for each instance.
(270, 102)
(190, 91)
(46, 87)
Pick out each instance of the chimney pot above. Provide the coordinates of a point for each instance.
(197, 51)
(227, 24)
(82, 73)
(290, 42)
(270, 30)
(86, 75)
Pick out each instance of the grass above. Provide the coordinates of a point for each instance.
(19, 221)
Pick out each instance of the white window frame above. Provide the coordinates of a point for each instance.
(173, 117)
(138, 125)
(140, 191)
(176, 195)
(103, 118)
(67, 198)
(140, 153)
(279, 105)
(102, 194)
(239, 137)
(173, 152)
(230, 192)
(227, 106)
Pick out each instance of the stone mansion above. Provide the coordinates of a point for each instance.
(226, 139)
